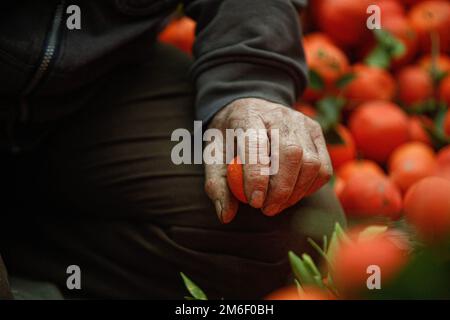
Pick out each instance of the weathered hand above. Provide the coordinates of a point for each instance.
(304, 163)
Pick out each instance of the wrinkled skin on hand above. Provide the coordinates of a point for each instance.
(304, 163)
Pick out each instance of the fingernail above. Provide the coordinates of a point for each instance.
(227, 218)
(257, 199)
(271, 210)
(219, 210)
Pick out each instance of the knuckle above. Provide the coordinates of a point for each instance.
(293, 154)
(312, 161)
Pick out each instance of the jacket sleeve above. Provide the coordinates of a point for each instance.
(246, 48)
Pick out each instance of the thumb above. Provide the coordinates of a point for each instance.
(216, 188)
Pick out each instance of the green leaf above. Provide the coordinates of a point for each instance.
(436, 132)
(193, 289)
(379, 57)
(337, 237)
(334, 245)
(343, 81)
(388, 47)
(340, 232)
(390, 43)
(309, 263)
(315, 80)
(329, 112)
(301, 272)
(319, 250)
(325, 238)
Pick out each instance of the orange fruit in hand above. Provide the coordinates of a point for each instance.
(430, 17)
(411, 162)
(444, 91)
(370, 83)
(352, 259)
(427, 207)
(378, 128)
(369, 194)
(180, 33)
(235, 179)
(417, 130)
(359, 166)
(342, 153)
(415, 85)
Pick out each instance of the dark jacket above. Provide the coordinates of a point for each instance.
(244, 48)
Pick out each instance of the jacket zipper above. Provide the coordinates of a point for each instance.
(48, 56)
(46, 60)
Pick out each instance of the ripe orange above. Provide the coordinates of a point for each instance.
(390, 8)
(368, 195)
(427, 207)
(326, 59)
(342, 153)
(235, 178)
(344, 20)
(359, 166)
(291, 293)
(410, 163)
(443, 172)
(370, 83)
(352, 259)
(415, 85)
(443, 163)
(378, 128)
(417, 131)
(444, 91)
(432, 16)
(410, 2)
(180, 33)
(443, 156)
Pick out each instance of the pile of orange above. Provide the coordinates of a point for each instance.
(394, 124)
(389, 132)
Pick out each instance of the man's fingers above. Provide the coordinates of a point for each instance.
(309, 171)
(326, 168)
(253, 147)
(281, 185)
(216, 188)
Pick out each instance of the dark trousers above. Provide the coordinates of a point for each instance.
(102, 193)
